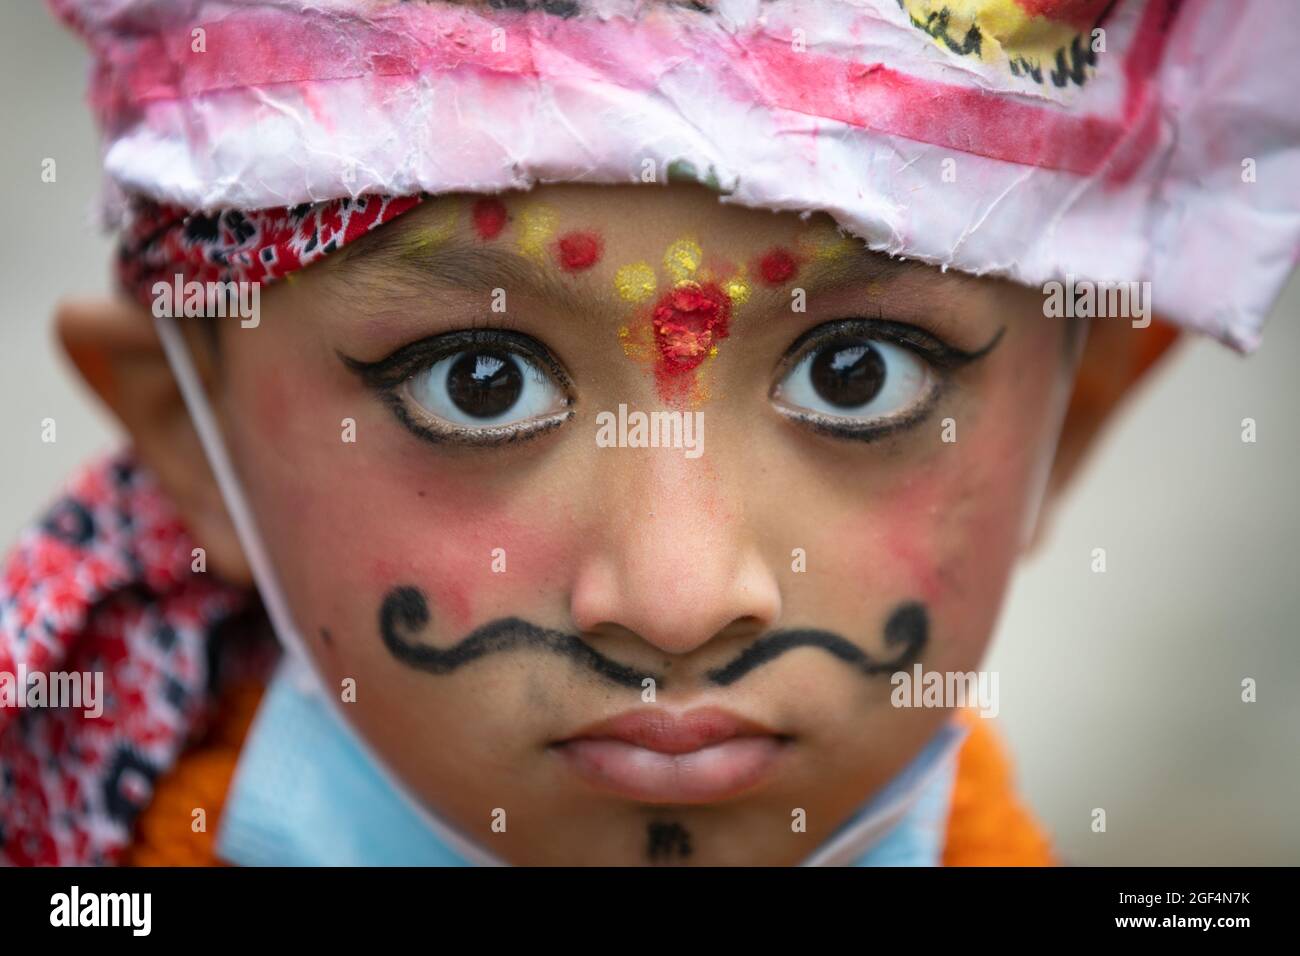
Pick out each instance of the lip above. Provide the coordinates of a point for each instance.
(699, 756)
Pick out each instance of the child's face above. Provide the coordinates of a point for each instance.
(497, 580)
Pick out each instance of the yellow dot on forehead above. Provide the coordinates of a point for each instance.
(737, 287)
(536, 226)
(441, 225)
(683, 259)
(826, 243)
(635, 282)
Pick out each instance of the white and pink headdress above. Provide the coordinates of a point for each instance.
(1108, 140)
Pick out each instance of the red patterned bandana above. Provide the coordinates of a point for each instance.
(160, 242)
(104, 584)
(103, 587)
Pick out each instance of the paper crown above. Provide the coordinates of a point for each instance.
(1113, 141)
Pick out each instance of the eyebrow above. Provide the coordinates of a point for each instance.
(401, 257)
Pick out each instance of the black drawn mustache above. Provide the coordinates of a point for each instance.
(405, 611)
(908, 627)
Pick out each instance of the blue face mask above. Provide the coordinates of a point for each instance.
(308, 793)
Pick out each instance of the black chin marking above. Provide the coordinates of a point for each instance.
(667, 841)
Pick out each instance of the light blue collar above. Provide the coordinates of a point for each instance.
(307, 793)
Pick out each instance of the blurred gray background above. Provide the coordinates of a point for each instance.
(1119, 690)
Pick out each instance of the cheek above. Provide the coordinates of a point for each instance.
(949, 531)
(344, 525)
(953, 534)
(474, 563)
(905, 535)
(270, 399)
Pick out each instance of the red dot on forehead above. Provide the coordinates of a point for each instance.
(777, 266)
(579, 250)
(489, 215)
(688, 322)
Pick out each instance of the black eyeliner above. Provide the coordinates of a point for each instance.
(930, 347)
(387, 376)
(486, 437)
(826, 425)
(392, 370)
(939, 352)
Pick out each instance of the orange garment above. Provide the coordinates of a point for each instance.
(987, 825)
(165, 832)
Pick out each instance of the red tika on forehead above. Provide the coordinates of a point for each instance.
(489, 217)
(688, 323)
(579, 250)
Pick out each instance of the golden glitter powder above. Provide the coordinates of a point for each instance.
(683, 259)
(825, 243)
(536, 226)
(737, 288)
(635, 282)
(441, 225)
(637, 343)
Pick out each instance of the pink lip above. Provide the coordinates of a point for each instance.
(701, 756)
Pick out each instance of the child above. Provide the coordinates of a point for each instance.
(598, 522)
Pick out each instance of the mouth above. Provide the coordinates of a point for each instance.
(657, 756)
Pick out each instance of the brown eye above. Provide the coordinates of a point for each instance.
(480, 387)
(484, 384)
(848, 376)
(856, 381)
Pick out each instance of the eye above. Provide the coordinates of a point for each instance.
(485, 387)
(849, 380)
(859, 378)
(475, 387)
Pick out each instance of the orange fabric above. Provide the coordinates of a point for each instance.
(164, 834)
(987, 825)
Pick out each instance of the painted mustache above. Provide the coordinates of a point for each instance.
(405, 611)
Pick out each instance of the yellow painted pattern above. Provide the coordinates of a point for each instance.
(682, 259)
(536, 227)
(635, 282)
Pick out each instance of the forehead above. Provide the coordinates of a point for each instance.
(630, 216)
(612, 238)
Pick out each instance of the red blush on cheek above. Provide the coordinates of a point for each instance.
(905, 529)
(449, 594)
(489, 217)
(777, 267)
(271, 400)
(578, 250)
(920, 568)
(454, 568)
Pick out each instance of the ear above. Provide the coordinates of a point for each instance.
(114, 346)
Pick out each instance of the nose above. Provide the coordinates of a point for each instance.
(675, 564)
